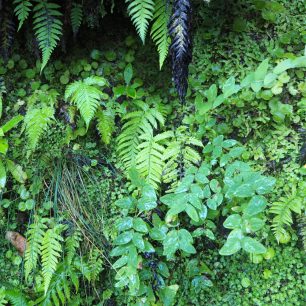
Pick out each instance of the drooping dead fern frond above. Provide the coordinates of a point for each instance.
(180, 48)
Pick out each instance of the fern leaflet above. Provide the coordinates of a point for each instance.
(86, 96)
(141, 13)
(106, 125)
(50, 252)
(283, 211)
(22, 11)
(48, 28)
(37, 120)
(140, 121)
(16, 297)
(34, 238)
(76, 17)
(159, 31)
(149, 161)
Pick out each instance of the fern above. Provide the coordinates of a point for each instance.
(149, 161)
(37, 120)
(283, 210)
(86, 96)
(141, 13)
(59, 292)
(50, 252)
(181, 45)
(106, 125)
(159, 31)
(48, 28)
(7, 30)
(71, 244)
(3, 301)
(180, 154)
(35, 235)
(22, 11)
(76, 17)
(138, 122)
(16, 297)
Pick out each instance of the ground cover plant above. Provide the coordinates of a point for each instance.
(135, 177)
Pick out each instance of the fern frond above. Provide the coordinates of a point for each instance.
(7, 30)
(76, 17)
(71, 245)
(181, 45)
(48, 28)
(141, 121)
(159, 31)
(179, 155)
(16, 297)
(50, 252)
(37, 120)
(283, 211)
(86, 96)
(141, 13)
(302, 229)
(149, 160)
(59, 291)
(95, 263)
(35, 235)
(3, 301)
(22, 11)
(105, 125)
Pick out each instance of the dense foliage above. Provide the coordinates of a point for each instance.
(121, 188)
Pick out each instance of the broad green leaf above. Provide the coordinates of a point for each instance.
(229, 87)
(231, 246)
(138, 241)
(233, 221)
(176, 209)
(167, 295)
(125, 203)
(283, 66)
(256, 205)
(122, 261)
(139, 225)
(128, 73)
(256, 224)
(3, 145)
(211, 93)
(171, 243)
(270, 80)
(11, 123)
(252, 246)
(261, 71)
(192, 213)
(17, 172)
(185, 241)
(124, 238)
(132, 257)
(124, 224)
(157, 234)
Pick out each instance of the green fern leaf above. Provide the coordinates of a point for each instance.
(141, 121)
(76, 17)
(50, 252)
(36, 121)
(149, 161)
(159, 31)
(16, 297)
(71, 244)
(48, 28)
(86, 96)
(141, 13)
(3, 301)
(283, 210)
(35, 235)
(106, 125)
(180, 153)
(22, 11)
